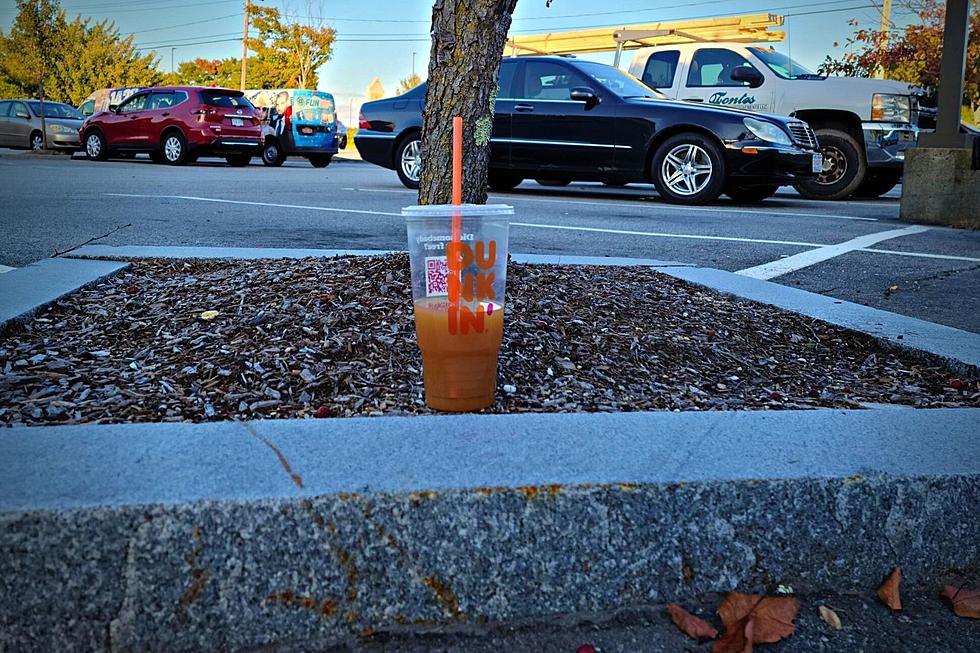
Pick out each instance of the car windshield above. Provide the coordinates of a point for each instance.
(55, 110)
(782, 65)
(620, 83)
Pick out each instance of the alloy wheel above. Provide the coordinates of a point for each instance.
(834, 166)
(271, 153)
(412, 160)
(172, 148)
(93, 146)
(37, 142)
(687, 169)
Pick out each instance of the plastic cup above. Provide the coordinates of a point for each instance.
(459, 300)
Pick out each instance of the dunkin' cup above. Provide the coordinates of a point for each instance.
(458, 288)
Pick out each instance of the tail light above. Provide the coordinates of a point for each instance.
(207, 113)
(362, 122)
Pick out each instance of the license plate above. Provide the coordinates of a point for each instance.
(237, 122)
(817, 163)
(306, 130)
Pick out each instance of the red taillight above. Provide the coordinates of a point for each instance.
(362, 122)
(205, 110)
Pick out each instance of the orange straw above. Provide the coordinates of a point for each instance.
(457, 200)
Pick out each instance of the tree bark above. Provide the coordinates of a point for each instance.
(468, 39)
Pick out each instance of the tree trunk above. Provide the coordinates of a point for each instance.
(468, 39)
(44, 125)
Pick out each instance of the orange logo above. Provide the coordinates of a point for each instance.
(472, 287)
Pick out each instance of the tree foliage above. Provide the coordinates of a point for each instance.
(72, 58)
(912, 54)
(407, 84)
(292, 51)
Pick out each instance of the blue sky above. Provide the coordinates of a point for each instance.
(382, 37)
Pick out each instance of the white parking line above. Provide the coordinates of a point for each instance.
(663, 235)
(945, 257)
(806, 259)
(643, 203)
(247, 203)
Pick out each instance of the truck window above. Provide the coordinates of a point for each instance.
(714, 66)
(660, 69)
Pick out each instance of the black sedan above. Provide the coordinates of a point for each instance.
(559, 120)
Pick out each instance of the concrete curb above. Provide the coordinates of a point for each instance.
(25, 290)
(295, 535)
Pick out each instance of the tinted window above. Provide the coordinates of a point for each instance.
(617, 81)
(4, 109)
(714, 66)
(135, 103)
(165, 100)
(225, 101)
(660, 69)
(506, 81)
(544, 80)
(18, 107)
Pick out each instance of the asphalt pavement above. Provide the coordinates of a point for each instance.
(852, 250)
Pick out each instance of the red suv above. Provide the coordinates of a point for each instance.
(175, 125)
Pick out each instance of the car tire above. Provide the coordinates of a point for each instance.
(320, 160)
(553, 182)
(408, 160)
(95, 146)
(845, 167)
(503, 180)
(36, 141)
(239, 159)
(878, 182)
(688, 169)
(272, 154)
(173, 146)
(750, 194)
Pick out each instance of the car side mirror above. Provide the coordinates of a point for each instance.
(584, 94)
(22, 114)
(750, 75)
(113, 108)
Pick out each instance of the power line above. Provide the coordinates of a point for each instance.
(196, 22)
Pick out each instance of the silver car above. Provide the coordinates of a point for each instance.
(20, 125)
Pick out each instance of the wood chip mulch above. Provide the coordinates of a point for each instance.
(336, 338)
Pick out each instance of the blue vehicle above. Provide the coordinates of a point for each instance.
(297, 122)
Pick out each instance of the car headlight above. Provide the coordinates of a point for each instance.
(61, 129)
(767, 131)
(891, 108)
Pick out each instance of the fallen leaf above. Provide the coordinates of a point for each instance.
(965, 601)
(888, 592)
(209, 315)
(584, 648)
(752, 619)
(830, 617)
(955, 384)
(692, 626)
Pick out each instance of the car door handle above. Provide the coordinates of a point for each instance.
(694, 99)
(166, 113)
(523, 107)
(134, 116)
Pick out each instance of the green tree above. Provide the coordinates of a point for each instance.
(912, 54)
(407, 84)
(291, 52)
(207, 72)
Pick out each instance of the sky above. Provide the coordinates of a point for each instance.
(385, 38)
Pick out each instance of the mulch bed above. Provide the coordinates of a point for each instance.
(336, 338)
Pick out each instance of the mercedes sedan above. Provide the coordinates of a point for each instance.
(559, 120)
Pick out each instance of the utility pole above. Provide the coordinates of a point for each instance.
(886, 23)
(248, 10)
(172, 50)
(413, 64)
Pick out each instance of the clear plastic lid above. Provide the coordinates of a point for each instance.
(449, 210)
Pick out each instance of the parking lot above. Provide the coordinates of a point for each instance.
(853, 250)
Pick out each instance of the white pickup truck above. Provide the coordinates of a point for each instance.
(863, 126)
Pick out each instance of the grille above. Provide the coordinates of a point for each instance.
(803, 135)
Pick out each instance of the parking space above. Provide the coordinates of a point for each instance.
(854, 250)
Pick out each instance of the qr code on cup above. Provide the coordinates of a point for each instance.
(436, 276)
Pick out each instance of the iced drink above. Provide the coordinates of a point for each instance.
(458, 287)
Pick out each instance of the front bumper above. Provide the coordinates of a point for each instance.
(770, 164)
(68, 142)
(886, 143)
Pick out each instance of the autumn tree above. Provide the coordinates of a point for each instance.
(912, 54)
(407, 84)
(294, 51)
(468, 39)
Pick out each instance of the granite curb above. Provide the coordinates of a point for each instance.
(295, 535)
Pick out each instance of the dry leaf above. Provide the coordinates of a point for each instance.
(752, 619)
(830, 617)
(888, 592)
(209, 315)
(690, 625)
(965, 601)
